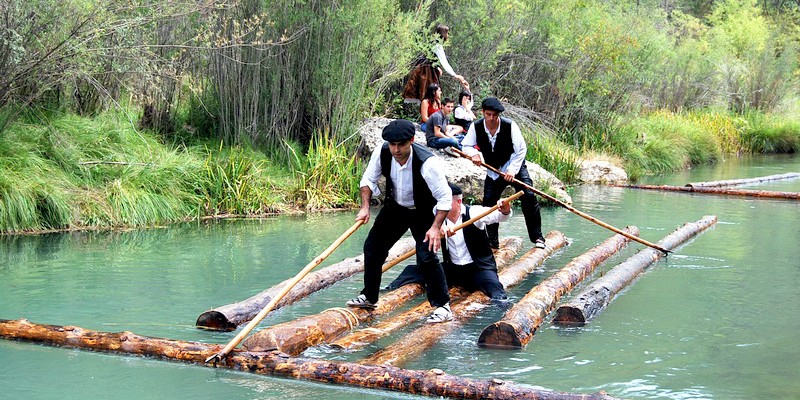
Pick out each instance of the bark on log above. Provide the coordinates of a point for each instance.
(362, 337)
(734, 182)
(520, 323)
(228, 317)
(422, 339)
(722, 191)
(595, 298)
(428, 383)
(293, 337)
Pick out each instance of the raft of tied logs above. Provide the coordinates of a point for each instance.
(293, 337)
(519, 324)
(721, 191)
(229, 317)
(591, 301)
(423, 338)
(745, 181)
(429, 383)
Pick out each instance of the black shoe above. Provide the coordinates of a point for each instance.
(539, 243)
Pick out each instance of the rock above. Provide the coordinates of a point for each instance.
(601, 171)
(461, 171)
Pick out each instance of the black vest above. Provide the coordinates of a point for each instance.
(423, 198)
(477, 245)
(503, 145)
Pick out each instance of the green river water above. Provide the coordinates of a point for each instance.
(718, 319)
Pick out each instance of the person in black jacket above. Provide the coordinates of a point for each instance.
(468, 259)
(498, 142)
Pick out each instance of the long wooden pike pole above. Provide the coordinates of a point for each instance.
(568, 207)
(313, 264)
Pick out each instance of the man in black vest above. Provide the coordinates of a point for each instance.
(498, 142)
(468, 259)
(415, 185)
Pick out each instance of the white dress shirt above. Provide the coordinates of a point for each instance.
(403, 179)
(514, 163)
(459, 254)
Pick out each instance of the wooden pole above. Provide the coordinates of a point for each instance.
(230, 316)
(595, 298)
(519, 324)
(427, 383)
(721, 191)
(734, 182)
(567, 206)
(293, 337)
(423, 338)
(313, 264)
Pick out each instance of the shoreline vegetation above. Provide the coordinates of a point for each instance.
(127, 116)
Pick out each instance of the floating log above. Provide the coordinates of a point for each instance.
(519, 324)
(229, 317)
(745, 181)
(721, 191)
(596, 297)
(423, 338)
(429, 383)
(365, 336)
(293, 337)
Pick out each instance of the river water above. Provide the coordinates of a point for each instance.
(718, 319)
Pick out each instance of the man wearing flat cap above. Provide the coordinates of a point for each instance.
(498, 142)
(415, 185)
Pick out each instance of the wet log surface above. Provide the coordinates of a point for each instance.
(423, 338)
(745, 181)
(520, 323)
(362, 337)
(428, 383)
(591, 301)
(721, 191)
(293, 337)
(229, 317)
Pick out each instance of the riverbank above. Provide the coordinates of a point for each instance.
(79, 173)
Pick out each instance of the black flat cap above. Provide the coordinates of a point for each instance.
(454, 188)
(491, 103)
(398, 130)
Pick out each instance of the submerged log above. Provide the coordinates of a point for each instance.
(519, 324)
(721, 191)
(428, 383)
(228, 317)
(365, 336)
(293, 337)
(591, 301)
(745, 181)
(423, 338)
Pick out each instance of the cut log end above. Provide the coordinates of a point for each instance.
(214, 320)
(567, 315)
(499, 335)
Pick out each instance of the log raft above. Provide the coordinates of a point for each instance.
(293, 337)
(745, 181)
(721, 191)
(519, 324)
(363, 337)
(229, 317)
(428, 383)
(423, 338)
(591, 301)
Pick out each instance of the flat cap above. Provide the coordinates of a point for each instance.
(491, 103)
(454, 188)
(398, 130)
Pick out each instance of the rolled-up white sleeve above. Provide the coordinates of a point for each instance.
(432, 172)
(470, 141)
(494, 217)
(373, 172)
(514, 163)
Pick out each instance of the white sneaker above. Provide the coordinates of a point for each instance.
(361, 302)
(440, 314)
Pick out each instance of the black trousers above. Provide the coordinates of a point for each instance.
(493, 190)
(391, 223)
(469, 277)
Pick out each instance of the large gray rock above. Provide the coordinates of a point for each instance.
(601, 171)
(461, 171)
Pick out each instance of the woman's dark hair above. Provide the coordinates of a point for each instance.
(443, 31)
(430, 93)
(464, 93)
